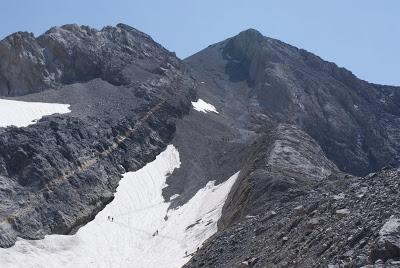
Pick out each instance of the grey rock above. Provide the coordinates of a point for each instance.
(57, 174)
(388, 242)
(342, 212)
(313, 122)
(299, 210)
(285, 84)
(72, 53)
(313, 223)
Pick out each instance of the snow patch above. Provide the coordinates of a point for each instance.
(22, 114)
(127, 240)
(203, 106)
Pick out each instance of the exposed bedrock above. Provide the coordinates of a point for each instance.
(284, 160)
(58, 173)
(72, 53)
(342, 221)
(304, 124)
(352, 120)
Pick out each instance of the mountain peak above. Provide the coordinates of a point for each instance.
(251, 32)
(131, 29)
(250, 35)
(125, 27)
(246, 41)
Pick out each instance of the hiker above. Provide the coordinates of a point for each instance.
(186, 254)
(112, 219)
(155, 233)
(108, 218)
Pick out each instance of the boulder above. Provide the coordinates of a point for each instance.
(299, 210)
(388, 243)
(342, 212)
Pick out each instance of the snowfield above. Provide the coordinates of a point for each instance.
(22, 114)
(138, 211)
(203, 106)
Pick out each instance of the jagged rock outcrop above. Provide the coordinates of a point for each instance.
(72, 53)
(284, 159)
(58, 173)
(388, 243)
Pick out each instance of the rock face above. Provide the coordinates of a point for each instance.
(303, 123)
(388, 242)
(72, 53)
(126, 95)
(279, 236)
(353, 121)
(283, 159)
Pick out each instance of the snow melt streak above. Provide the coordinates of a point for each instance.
(138, 210)
(203, 106)
(22, 114)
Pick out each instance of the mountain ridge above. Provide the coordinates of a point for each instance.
(289, 80)
(72, 53)
(257, 34)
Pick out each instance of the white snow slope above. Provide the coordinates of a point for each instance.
(138, 210)
(22, 114)
(203, 106)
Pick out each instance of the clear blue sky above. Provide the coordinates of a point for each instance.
(361, 35)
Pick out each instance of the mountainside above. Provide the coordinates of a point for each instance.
(58, 173)
(304, 123)
(269, 153)
(354, 122)
(342, 221)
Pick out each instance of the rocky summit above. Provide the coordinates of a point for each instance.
(315, 149)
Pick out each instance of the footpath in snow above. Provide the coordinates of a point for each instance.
(22, 114)
(138, 211)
